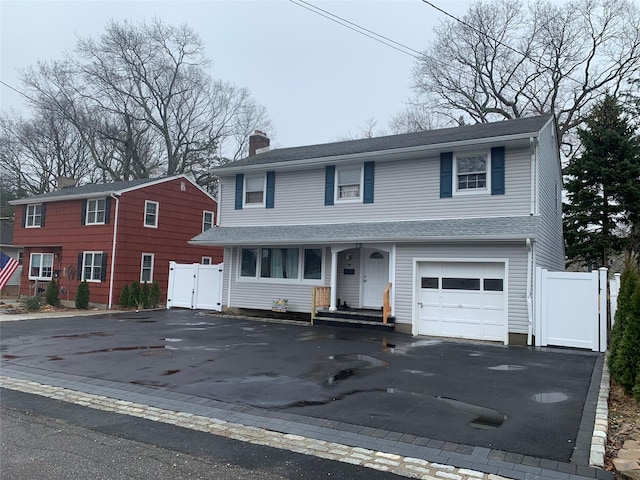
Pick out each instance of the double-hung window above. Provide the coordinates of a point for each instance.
(151, 214)
(349, 182)
(33, 216)
(207, 220)
(92, 266)
(281, 263)
(471, 173)
(146, 269)
(96, 211)
(254, 190)
(41, 266)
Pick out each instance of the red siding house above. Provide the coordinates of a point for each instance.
(112, 234)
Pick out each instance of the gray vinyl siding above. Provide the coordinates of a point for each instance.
(515, 253)
(348, 286)
(549, 247)
(404, 190)
(260, 293)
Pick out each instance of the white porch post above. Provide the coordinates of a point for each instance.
(334, 280)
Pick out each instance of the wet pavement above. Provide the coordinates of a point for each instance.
(468, 403)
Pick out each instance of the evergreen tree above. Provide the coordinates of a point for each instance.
(135, 295)
(83, 295)
(125, 296)
(628, 285)
(51, 294)
(603, 186)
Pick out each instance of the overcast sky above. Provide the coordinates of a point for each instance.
(319, 81)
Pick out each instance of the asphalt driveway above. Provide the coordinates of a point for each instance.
(514, 399)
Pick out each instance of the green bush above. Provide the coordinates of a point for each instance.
(145, 296)
(125, 296)
(628, 284)
(155, 294)
(629, 359)
(83, 295)
(51, 293)
(32, 304)
(135, 292)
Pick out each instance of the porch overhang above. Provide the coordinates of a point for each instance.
(483, 229)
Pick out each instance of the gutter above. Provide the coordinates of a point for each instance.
(113, 249)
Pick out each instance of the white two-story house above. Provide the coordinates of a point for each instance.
(455, 220)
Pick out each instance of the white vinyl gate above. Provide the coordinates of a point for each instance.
(195, 286)
(571, 309)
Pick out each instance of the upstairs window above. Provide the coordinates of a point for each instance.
(349, 182)
(207, 220)
(471, 172)
(34, 215)
(151, 214)
(96, 212)
(254, 190)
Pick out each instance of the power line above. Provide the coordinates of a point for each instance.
(359, 29)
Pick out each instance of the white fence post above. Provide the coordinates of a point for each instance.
(538, 309)
(603, 308)
(614, 290)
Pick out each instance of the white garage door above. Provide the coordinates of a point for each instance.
(463, 300)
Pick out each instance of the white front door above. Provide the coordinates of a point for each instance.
(375, 276)
(464, 300)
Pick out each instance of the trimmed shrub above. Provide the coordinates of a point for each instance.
(31, 304)
(83, 295)
(155, 294)
(629, 357)
(51, 293)
(125, 296)
(135, 292)
(628, 284)
(145, 296)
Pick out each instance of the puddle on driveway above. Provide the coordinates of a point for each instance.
(550, 397)
(84, 335)
(487, 418)
(170, 372)
(509, 368)
(418, 372)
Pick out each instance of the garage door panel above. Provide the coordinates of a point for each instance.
(462, 299)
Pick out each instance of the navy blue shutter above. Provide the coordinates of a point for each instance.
(44, 211)
(79, 275)
(271, 189)
(103, 271)
(329, 184)
(107, 210)
(497, 171)
(369, 176)
(83, 219)
(446, 174)
(239, 193)
(24, 215)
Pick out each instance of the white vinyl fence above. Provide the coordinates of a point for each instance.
(571, 309)
(195, 286)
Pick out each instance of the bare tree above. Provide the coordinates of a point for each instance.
(507, 60)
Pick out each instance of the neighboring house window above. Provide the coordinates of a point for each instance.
(150, 214)
(92, 266)
(34, 214)
(348, 183)
(146, 271)
(206, 261)
(281, 263)
(41, 266)
(207, 220)
(471, 172)
(254, 190)
(95, 211)
(20, 258)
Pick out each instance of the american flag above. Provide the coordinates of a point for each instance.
(8, 265)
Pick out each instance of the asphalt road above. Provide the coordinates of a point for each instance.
(514, 399)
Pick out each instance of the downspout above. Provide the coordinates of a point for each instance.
(113, 249)
(529, 292)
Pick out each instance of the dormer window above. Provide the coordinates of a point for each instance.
(254, 190)
(349, 182)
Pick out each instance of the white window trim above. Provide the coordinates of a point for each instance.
(88, 280)
(357, 199)
(144, 220)
(39, 276)
(208, 260)
(96, 200)
(26, 220)
(300, 280)
(245, 191)
(471, 191)
(142, 267)
(213, 218)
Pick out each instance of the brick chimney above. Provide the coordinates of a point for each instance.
(258, 141)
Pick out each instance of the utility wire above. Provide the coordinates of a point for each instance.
(359, 29)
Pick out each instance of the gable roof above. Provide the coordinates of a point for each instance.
(517, 128)
(93, 190)
(468, 229)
